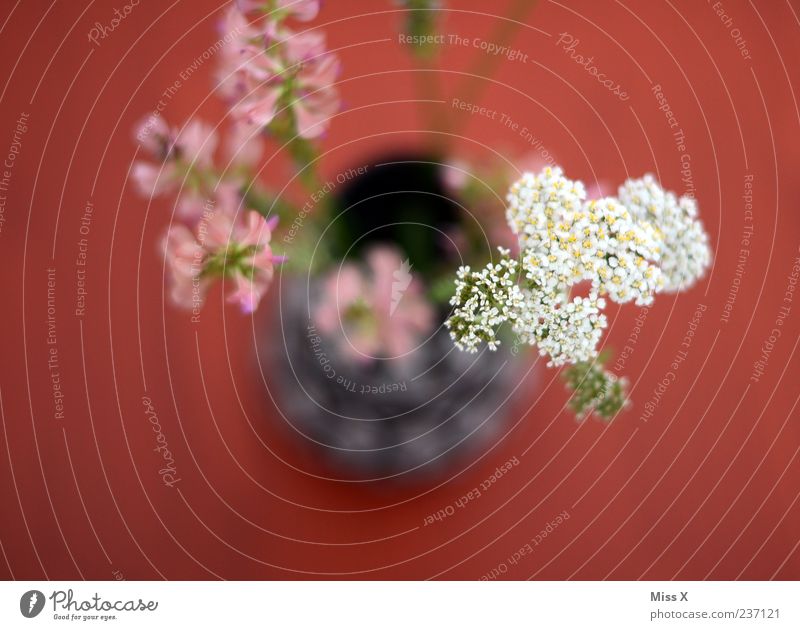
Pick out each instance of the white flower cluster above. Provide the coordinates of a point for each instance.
(567, 330)
(602, 244)
(627, 249)
(484, 300)
(685, 253)
(537, 202)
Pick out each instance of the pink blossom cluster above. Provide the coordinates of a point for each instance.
(277, 82)
(213, 236)
(222, 245)
(377, 311)
(274, 76)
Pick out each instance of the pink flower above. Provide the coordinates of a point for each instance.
(268, 70)
(342, 313)
(301, 47)
(177, 153)
(317, 99)
(383, 312)
(314, 99)
(252, 79)
(223, 245)
(404, 314)
(251, 288)
(259, 107)
(249, 258)
(152, 179)
(184, 258)
(244, 146)
(195, 144)
(225, 198)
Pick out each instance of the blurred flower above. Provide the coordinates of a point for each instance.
(685, 254)
(382, 312)
(179, 154)
(315, 99)
(184, 258)
(244, 146)
(595, 390)
(223, 245)
(267, 70)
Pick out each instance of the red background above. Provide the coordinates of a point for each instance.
(707, 488)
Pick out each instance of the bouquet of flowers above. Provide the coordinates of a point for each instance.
(626, 248)
(564, 256)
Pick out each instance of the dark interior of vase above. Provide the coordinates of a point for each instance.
(437, 404)
(399, 200)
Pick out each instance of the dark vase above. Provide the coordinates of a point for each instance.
(387, 418)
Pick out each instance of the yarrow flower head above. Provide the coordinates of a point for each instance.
(626, 248)
(566, 240)
(484, 300)
(685, 254)
(595, 389)
(568, 330)
(537, 202)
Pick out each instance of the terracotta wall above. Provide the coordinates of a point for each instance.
(706, 487)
